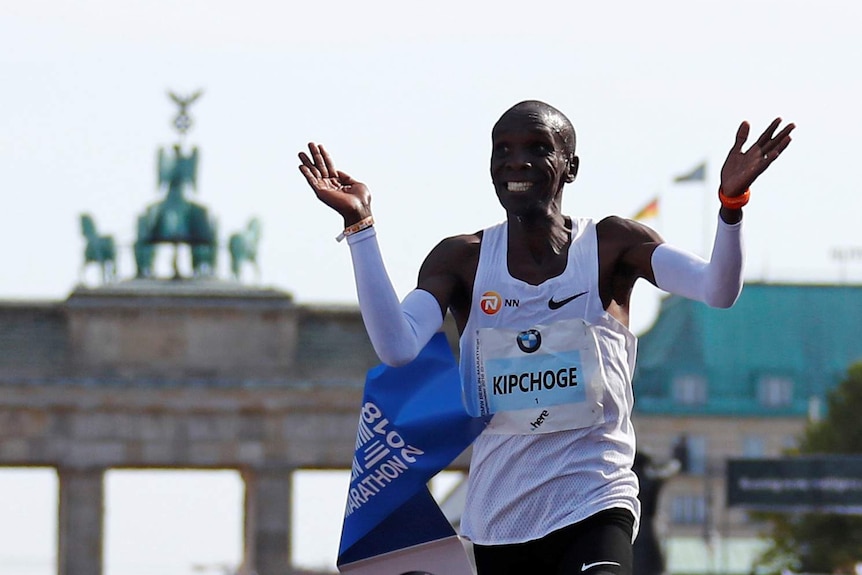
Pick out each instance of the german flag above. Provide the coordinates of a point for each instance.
(648, 211)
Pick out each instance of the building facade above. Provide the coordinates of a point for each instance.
(715, 384)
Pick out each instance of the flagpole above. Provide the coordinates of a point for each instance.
(698, 174)
(660, 222)
(704, 234)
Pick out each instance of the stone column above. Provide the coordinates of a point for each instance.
(80, 522)
(267, 522)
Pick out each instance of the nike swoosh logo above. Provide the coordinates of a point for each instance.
(586, 566)
(558, 304)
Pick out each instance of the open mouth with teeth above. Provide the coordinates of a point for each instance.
(518, 186)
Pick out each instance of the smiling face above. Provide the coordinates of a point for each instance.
(532, 158)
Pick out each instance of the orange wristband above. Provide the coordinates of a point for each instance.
(736, 202)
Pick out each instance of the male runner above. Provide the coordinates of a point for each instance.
(551, 487)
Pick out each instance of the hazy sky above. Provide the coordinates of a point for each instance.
(404, 96)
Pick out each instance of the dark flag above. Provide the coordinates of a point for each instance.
(698, 174)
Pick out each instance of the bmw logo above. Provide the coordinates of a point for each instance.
(530, 340)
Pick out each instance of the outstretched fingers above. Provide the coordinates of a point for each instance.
(318, 161)
(322, 161)
(742, 168)
(328, 164)
(741, 137)
(350, 198)
(310, 177)
(307, 166)
(783, 139)
(776, 144)
(318, 168)
(766, 136)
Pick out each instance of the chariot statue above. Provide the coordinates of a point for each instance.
(176, 220)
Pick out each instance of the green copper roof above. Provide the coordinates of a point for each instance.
(775, 349)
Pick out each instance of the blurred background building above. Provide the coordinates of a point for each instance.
(715, 384)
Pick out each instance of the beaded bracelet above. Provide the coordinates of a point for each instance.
(362, 224)
(736, 202)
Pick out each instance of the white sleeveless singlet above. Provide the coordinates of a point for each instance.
(554, 369)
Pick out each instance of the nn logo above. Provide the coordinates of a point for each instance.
(492, 302)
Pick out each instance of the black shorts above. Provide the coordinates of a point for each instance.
(600, 544)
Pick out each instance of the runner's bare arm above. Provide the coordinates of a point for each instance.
(448, 273)
(625, 254)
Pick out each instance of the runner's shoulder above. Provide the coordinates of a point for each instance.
(619, 230)
(456, 251)
(461, 244)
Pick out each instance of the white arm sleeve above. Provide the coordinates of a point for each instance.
(398, 330)
(717, 282)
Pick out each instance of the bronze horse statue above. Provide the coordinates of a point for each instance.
(243, 248)
(100, 249)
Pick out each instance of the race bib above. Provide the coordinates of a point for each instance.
(546, 378)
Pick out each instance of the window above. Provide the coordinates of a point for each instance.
(689, 389)
(753, 446)
(814, 410)
(697, 454)
(789, 444)
(688, 510)
(774, 391)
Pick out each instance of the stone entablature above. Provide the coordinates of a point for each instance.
(134, 426)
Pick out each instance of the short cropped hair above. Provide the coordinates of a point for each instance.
(550, 116)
